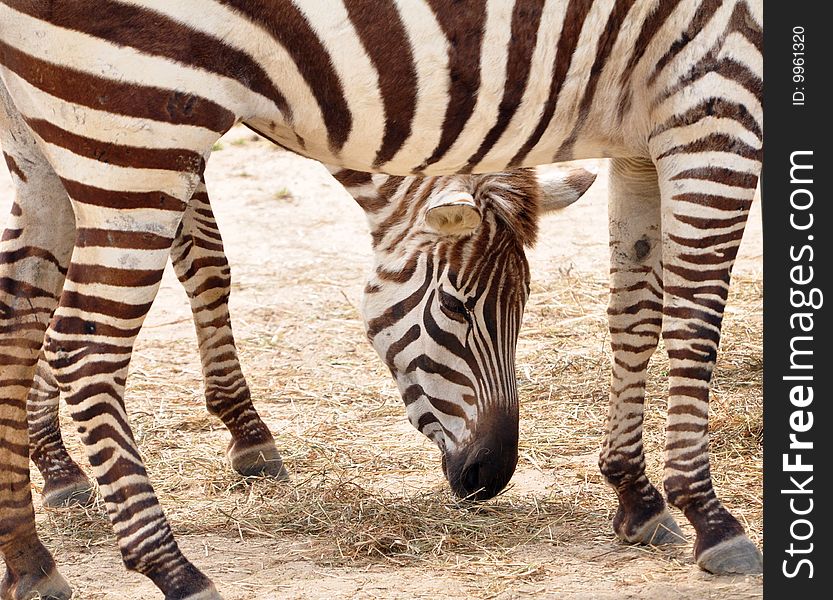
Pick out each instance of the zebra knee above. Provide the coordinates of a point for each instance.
(635, 323)
(63, 350)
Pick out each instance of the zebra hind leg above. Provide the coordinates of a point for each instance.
(111, 282)
(65, 483)
(200, 262)
(201, 266)
(705, 208)
(635, 320)
(34, 252)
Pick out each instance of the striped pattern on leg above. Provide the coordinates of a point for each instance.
(32, 269)
(705, 211)
(64, 481)
(635, 320)
(89, 354)
(201, 266)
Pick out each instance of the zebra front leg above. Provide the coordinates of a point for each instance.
(704, 213)
(34, 252)
(201, 266)
(635, 320)
(64, 481)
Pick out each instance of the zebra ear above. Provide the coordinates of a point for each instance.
(453, 213)
(561, 187)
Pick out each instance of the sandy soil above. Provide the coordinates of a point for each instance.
(299, 252)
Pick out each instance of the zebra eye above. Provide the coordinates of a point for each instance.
(452, 306)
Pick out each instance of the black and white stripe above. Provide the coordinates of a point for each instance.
(118, 104)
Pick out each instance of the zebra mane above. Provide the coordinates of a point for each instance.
(515, 199)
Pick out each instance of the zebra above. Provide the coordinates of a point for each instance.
(202, 267)
(124, 101)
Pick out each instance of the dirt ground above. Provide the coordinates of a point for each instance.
(367, 513)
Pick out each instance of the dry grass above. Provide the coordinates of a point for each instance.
(365, 487)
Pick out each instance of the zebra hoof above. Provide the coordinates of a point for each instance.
(41, 587)
(735, 556)
(658, 531)
(76, 492)
(207, 594)
(261, 459)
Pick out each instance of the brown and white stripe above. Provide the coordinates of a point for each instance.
(113, 106)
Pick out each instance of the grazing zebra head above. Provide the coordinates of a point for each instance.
(444, 304)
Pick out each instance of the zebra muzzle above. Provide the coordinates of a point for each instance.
(481, 470)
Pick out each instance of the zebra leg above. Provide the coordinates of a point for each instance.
(705, 208)
(64, 481)
(635, 321)
(33, 256)
(111, 282)
(201, 265)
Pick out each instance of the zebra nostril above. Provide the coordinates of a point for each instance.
(478, 471)
(471, 478)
